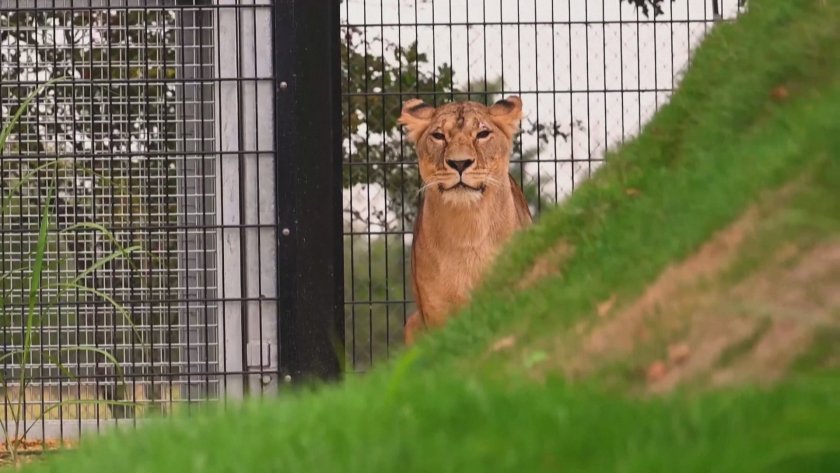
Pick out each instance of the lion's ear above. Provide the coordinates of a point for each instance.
(416, 116)
(506, 114)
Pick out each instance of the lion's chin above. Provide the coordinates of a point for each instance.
(462, 196)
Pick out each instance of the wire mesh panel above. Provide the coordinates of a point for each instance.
(140, 186)
(590, 74)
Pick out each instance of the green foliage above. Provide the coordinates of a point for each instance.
(378, 299)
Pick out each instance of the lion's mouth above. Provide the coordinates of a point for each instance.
(462, 185)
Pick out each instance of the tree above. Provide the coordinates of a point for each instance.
(646, 6)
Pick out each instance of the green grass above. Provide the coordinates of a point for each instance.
(824, 355)
(722, 142)
(452, 424)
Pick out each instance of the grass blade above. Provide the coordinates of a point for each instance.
(7, 128)
(34, 289)
(105, 260)
(12, 190)
(122, 310)
(111, 238)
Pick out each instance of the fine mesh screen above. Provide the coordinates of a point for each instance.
(142, 158)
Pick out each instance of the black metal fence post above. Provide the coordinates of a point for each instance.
(308, 147)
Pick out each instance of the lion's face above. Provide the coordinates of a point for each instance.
(463, 148)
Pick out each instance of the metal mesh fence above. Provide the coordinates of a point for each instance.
(145, 303)
(590, 74)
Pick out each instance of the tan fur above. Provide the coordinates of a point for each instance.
(465, 217)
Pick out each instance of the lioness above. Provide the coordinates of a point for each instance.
(471, 205)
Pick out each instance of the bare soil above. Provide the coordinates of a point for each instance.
(690, 327)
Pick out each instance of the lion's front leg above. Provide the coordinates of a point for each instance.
(413, 326)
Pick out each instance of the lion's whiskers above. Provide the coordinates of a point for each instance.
(492, 181)
(426, 186)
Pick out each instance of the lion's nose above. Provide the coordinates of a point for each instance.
(460, 165)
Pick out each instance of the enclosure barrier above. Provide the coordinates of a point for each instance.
(218, 198)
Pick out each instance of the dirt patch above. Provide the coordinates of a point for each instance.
(619, 334)
(695, 325)
(800, 300)
(708, 341)
(548, 264)
(27, 451)
(716, 335)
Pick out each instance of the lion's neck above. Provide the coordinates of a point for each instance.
(487, 222)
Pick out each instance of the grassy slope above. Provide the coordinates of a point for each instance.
(447, 407)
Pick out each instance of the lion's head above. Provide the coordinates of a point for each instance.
(464, 147)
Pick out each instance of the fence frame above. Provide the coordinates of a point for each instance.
(308, 133)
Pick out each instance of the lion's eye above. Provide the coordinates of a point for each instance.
(438, 135)
(483, 134)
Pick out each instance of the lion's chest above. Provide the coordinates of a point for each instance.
(447, 273)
